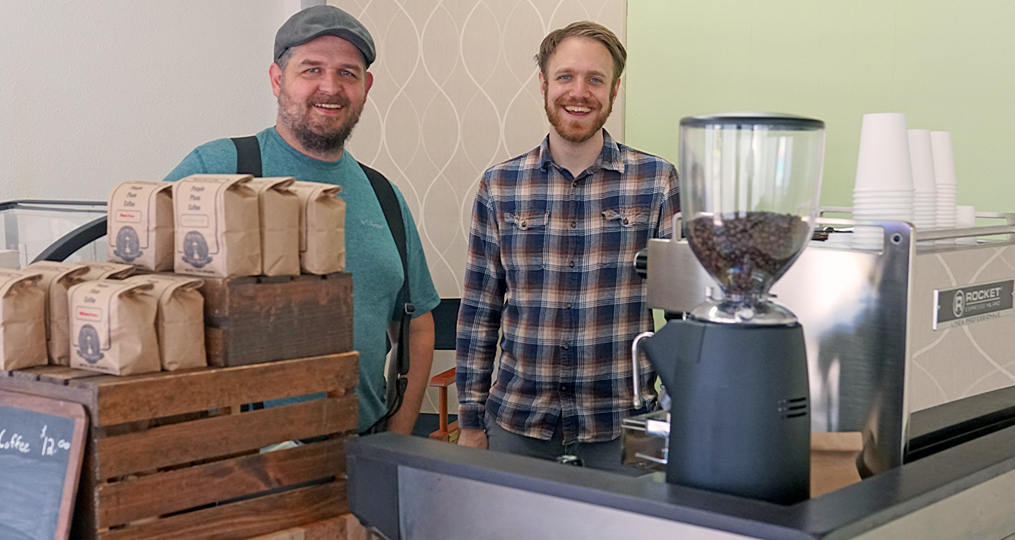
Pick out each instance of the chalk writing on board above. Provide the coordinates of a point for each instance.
(35, 448)
(49, 446)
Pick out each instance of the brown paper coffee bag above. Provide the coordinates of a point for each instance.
(106, 270)
(217, 226)
(113, 327)
(280, 226)
(139, 228)
(179, 319)
(322, 228)
(22, 320)
(57, 279)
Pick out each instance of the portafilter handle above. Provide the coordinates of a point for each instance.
(635, 379)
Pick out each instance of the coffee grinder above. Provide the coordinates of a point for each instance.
(735, 367)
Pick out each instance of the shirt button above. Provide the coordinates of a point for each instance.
(571, 264)
(569, 305)
(564, 346)
(626, 222)
(563, 388)
(525, 224)
(574, 224)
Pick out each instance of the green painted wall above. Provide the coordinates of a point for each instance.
(949, 65)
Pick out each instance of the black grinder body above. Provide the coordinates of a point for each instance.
(740, 412)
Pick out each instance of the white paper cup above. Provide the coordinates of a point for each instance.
(883, 160)
(944, 158)
(921, 158)
(965, 218)
(902, 200)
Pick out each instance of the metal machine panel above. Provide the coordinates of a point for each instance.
(968, 355)
(439, 502)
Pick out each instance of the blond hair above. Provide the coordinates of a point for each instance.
(587, 30)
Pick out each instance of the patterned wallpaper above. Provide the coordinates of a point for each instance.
(455, 92)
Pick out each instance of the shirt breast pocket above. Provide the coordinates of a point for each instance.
(623, 231)
(524, 241)
(628, 218)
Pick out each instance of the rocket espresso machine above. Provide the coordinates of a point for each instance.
(735, 367)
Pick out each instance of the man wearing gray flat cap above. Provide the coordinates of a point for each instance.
(320, 78)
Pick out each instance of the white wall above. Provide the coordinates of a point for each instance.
(94, 93)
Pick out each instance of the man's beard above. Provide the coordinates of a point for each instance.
(314, 136)
(570, 130)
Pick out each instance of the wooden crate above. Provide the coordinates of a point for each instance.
(258, 319)
(171, 456)
(345, 527)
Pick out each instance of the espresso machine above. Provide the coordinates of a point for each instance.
(735, 367)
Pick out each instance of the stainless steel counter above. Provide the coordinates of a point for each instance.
(412, 488)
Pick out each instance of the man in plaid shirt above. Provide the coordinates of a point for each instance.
(551, 269)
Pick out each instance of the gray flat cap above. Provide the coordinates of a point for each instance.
(317, 21)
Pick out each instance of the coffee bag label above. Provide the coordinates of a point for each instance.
(217, 226)
(199, 217)
(140, 224)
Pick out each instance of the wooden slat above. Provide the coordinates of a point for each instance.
(216, 293)
(241, 520)
(27, 374)
(83, 396)
(83, 525)
(274, 279)
(223, 435)
(62, 374)
(130, 399)
(164, 493)
(344, 527)
(39, 370)
(215, 346)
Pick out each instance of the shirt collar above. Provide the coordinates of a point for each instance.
(609, 158)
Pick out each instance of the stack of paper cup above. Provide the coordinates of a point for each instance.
(884, 178)
(944, 178)
(924, 186)
(965, 218)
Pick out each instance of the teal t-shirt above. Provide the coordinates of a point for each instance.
(371, 255)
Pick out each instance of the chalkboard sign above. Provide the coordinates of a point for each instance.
(41, 447)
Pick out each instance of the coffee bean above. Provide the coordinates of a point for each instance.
(747, 252)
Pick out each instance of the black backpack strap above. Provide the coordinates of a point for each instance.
(397, 380)
(248, 155)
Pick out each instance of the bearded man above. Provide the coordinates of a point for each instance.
(550, 270)
(320, 78)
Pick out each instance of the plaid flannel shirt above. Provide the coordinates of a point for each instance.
(551, 270)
